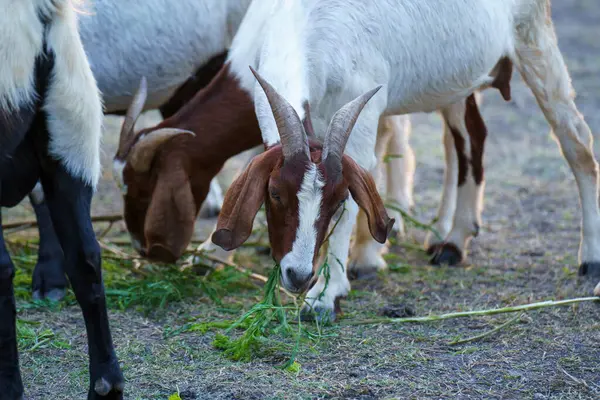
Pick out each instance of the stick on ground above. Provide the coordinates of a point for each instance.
(476, 313)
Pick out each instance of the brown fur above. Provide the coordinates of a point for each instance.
(459, 145)
(192, 162)
(504, 74)
(477, 134)
(276, 181)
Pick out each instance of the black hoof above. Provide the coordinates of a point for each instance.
(52, 294)
(444, 253)
(49, 280)
(357, 274)
(590, 269)
(320, 314)
(110, 384)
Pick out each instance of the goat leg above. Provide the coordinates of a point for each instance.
(69, 200)
(49, 280)
(11, 386)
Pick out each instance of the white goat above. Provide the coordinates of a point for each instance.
(429, 54)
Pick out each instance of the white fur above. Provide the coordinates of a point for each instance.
(73, 102)
(323, 294)
(164, 40)
(214, 199)
(22, 37)
(445, 213)
(37, 194)
(429, 54)
(309, 205)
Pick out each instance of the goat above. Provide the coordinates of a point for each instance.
(327, 52)
(50, 128)
(113, 33)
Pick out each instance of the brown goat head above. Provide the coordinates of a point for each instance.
(302, 183)
(151, 168)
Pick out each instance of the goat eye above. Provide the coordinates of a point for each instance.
(275, 196)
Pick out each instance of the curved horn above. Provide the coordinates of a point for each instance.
(342, 123)
(290, 127)
(144, 149)
(136, 107)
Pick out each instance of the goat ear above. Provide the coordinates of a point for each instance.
(243, 200)
(364, 191)
(171, 213)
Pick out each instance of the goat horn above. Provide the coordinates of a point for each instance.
(291, 130)
(342, 123)
(145, 148)
(136, 107)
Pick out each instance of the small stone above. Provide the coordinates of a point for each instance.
(398, 311)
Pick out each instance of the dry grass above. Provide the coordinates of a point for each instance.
(165, 321)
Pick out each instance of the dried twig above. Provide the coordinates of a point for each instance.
(239, 268)
(33, 222)
(488, 333)
(476, 313)
(412, 221)
(115, 250)
(105, 231)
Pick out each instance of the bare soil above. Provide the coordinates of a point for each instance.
(526, 252)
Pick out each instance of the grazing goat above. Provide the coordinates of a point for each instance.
(326, 53)
(50, 127)
(185, 52)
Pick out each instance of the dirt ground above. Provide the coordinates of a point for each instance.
(526, 252)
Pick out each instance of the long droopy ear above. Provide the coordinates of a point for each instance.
(171, 214)
(243, 200)
(364, 191)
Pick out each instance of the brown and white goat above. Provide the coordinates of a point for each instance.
(167, 169)
(326, 52)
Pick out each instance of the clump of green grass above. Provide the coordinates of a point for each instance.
(256, 323)
(147, 290)
(31, 337)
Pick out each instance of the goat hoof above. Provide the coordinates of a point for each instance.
(321, 313)
(48, 281)
(109, 385)
(590, 269)
(52, 294)
(444, 253)
(358, 274)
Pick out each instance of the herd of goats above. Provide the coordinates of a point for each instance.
(325, 86)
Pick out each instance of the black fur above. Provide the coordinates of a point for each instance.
(24, 158)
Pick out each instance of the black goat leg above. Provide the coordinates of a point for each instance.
(69, 199)
(49, 280)
(11, 386)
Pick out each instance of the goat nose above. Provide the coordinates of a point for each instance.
(298, 280)
(158, 252)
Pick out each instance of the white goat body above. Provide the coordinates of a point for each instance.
(165, 41)
(430, 55)
(72, 101)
